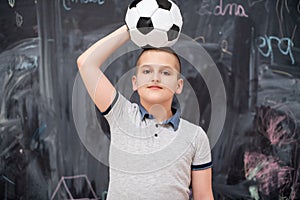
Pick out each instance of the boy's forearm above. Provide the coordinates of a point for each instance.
(96, 55)
(97, 84)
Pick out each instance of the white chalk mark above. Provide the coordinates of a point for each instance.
(279, 17)
(224, 47)
(252, 2)
(294, 31)
(19, 19)
(281, 13)
(201, 38)
(11, 3)
(286, 6)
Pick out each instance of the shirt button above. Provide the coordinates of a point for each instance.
(155, 135)
(156, 125)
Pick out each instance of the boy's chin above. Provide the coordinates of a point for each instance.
(155, 99)
(155, 96)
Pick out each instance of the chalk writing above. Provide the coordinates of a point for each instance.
(230, 7)
(67, 4)
(284, 198)
(204, 8)
(286, 6)
(294, 31)
(254, 192)
(271, 126)
(11, 3)
(104, 195)
(24, 62)
(267, 170)
(200, 38)
(220, 9)
(266, 43)
(63, 182)
(280, 16)
(19, 19)
(223, 45)
(253, 2)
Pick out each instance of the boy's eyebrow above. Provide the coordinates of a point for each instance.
(144, 65)
(158, 65)
(166, 66)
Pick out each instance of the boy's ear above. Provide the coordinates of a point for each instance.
(134, 84)
(179, 86)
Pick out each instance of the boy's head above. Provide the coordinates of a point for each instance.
(157, 76)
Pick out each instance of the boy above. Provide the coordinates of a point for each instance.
(154, 154)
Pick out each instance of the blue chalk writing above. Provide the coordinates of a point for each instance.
(7, 179)
(266, 43)
(67, 4)
(104, 195)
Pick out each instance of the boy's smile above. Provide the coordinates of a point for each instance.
(154, 87)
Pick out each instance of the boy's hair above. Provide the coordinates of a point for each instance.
(165, 49)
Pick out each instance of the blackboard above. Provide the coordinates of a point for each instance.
(254, 44)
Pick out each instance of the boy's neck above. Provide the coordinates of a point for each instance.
(160, 112)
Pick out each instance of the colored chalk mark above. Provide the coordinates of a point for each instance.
(63, 182)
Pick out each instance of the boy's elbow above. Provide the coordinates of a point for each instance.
(80, 61)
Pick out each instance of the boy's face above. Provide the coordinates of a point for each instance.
(157, 77)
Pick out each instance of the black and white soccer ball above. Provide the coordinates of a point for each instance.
(153, 23)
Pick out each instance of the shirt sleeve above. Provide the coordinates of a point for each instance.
(112, 104)
(202, 158)
(120, 109)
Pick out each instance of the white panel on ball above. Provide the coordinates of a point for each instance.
(157, 38)
(170, 43)
(146, 8)
(137, 37)
(162, 20)
(176, 15)
(131, 18)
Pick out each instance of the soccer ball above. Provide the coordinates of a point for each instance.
(153, 23)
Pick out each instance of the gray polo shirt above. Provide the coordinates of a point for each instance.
(150, 160)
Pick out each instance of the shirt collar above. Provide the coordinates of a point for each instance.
(174, 120)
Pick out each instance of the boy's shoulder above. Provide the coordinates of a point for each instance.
(189, 127)
(187, 124)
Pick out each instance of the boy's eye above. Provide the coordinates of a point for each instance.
(166, 73)
(146, 71)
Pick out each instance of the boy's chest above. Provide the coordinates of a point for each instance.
(149, 147)
(143, 138)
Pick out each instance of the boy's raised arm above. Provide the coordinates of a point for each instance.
(98, 86)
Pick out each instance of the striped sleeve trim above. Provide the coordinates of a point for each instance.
(203, 166)
(111, 105)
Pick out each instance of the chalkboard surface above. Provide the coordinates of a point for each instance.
(255, 45)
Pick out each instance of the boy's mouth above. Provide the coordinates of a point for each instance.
(154, 87)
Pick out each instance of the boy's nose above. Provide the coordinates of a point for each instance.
(156, 77)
